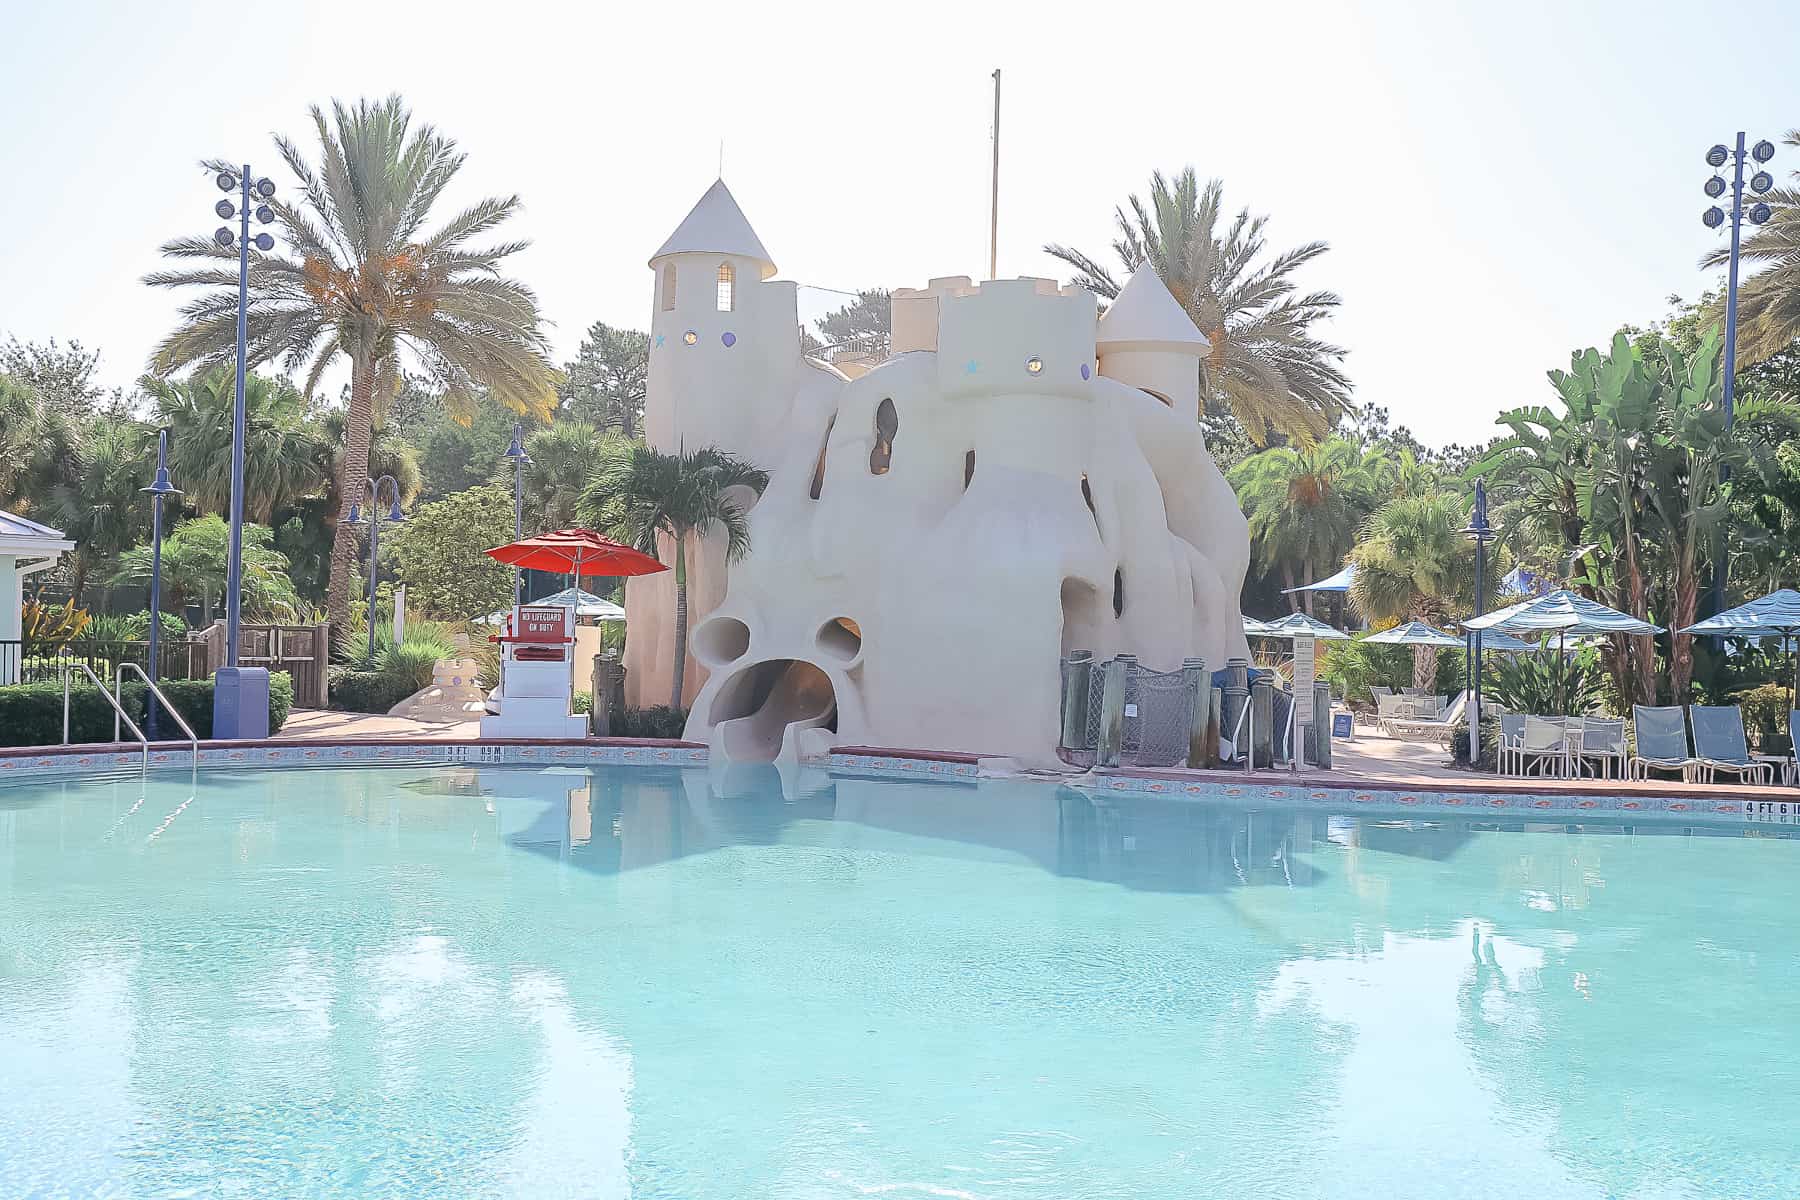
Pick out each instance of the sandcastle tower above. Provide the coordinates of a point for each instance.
(724, 369)
(1146, 340)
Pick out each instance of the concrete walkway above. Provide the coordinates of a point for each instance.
(318, 723)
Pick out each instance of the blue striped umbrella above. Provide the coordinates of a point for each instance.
(1562, 611)
(1776, 615)
(1414, 633)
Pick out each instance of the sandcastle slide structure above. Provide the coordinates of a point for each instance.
(1015, 480)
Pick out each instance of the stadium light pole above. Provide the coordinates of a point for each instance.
(1713, 218)
(240, 694)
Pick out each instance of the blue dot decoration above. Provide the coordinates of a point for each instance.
(729, 338)
(1085, 373)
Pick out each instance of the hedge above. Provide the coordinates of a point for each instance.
(31, 713)
(368, 691)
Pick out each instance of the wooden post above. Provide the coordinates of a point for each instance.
(1077, 677)
(1322, 725)
(1262, 701)
(1199, 689)
(1112, 713)
(1215, 711)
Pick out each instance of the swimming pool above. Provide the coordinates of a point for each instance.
(617, 981)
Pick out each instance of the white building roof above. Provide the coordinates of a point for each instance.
(716, 225)
(1145, 317)
(19, 536)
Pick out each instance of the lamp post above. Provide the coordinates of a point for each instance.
(160, 488)
(240, 694)
(1713, 218)
(515, 454)
(372, 489)
(1481, 533)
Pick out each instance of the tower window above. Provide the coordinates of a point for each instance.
(726, 278)
(668, 296)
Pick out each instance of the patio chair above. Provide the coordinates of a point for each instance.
(1387, 708)
(1790, 769)
(1377, 691)
(1662, 743)
(1512, 732)
(1440, 728)
(1545, 744)
(1603, 742)
(1720, 745)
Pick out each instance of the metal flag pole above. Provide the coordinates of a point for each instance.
(994, 200)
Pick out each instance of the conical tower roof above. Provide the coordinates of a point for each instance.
(716, 225)
(1145, 317)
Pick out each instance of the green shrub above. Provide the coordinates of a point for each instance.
(1541, 683)
(658, 722)
(415, 663)
(31, 713)
(367, 691)
(1766, 717)
(133, 627)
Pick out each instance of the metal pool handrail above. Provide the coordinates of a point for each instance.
(116, 707)
(193, 742)
(1247, 714)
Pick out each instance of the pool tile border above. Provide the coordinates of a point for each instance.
(904, 766)
(1473, 804)
(57, 762)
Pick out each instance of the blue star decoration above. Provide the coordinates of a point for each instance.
(972, 367)
(659, 340)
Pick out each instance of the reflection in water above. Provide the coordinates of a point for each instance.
(521, 982)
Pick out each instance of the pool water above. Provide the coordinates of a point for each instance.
(521, 982)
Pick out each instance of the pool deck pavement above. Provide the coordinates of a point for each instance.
(1369, 761)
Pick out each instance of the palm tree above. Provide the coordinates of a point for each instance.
(1265, 366)
(194, 560)
(561, 457)
(37, 446)
(1305, 505)
(284, 457)
(102, 507)
(1768, 301)
(369, 285)
(640, 495)
(1412, 564)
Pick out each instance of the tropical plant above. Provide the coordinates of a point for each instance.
(1629, 481)
(1548, 682)
(1412, 564)
(1768, 300)
(648, 498)
(193, 569)
(439, 554)
(1305, 505)
(36, 445)
(1265, 365)
(370, 285)
(47, 628)
(285, 458)
(604, 386)
(561, 457)
(101, 506)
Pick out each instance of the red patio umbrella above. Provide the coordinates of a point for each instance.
(576, 552)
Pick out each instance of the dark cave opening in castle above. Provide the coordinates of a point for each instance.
(755, 708)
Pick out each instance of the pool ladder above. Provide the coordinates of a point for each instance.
(119, 713)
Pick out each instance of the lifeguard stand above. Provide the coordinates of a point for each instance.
(536, 676)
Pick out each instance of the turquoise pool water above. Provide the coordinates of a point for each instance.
(520, 982)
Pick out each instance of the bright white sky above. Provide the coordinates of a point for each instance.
(1500, 183)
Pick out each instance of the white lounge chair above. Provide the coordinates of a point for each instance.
(1440, 728)
(1539, 742)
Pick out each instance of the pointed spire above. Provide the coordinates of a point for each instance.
(716, 225)
(1144, 316)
